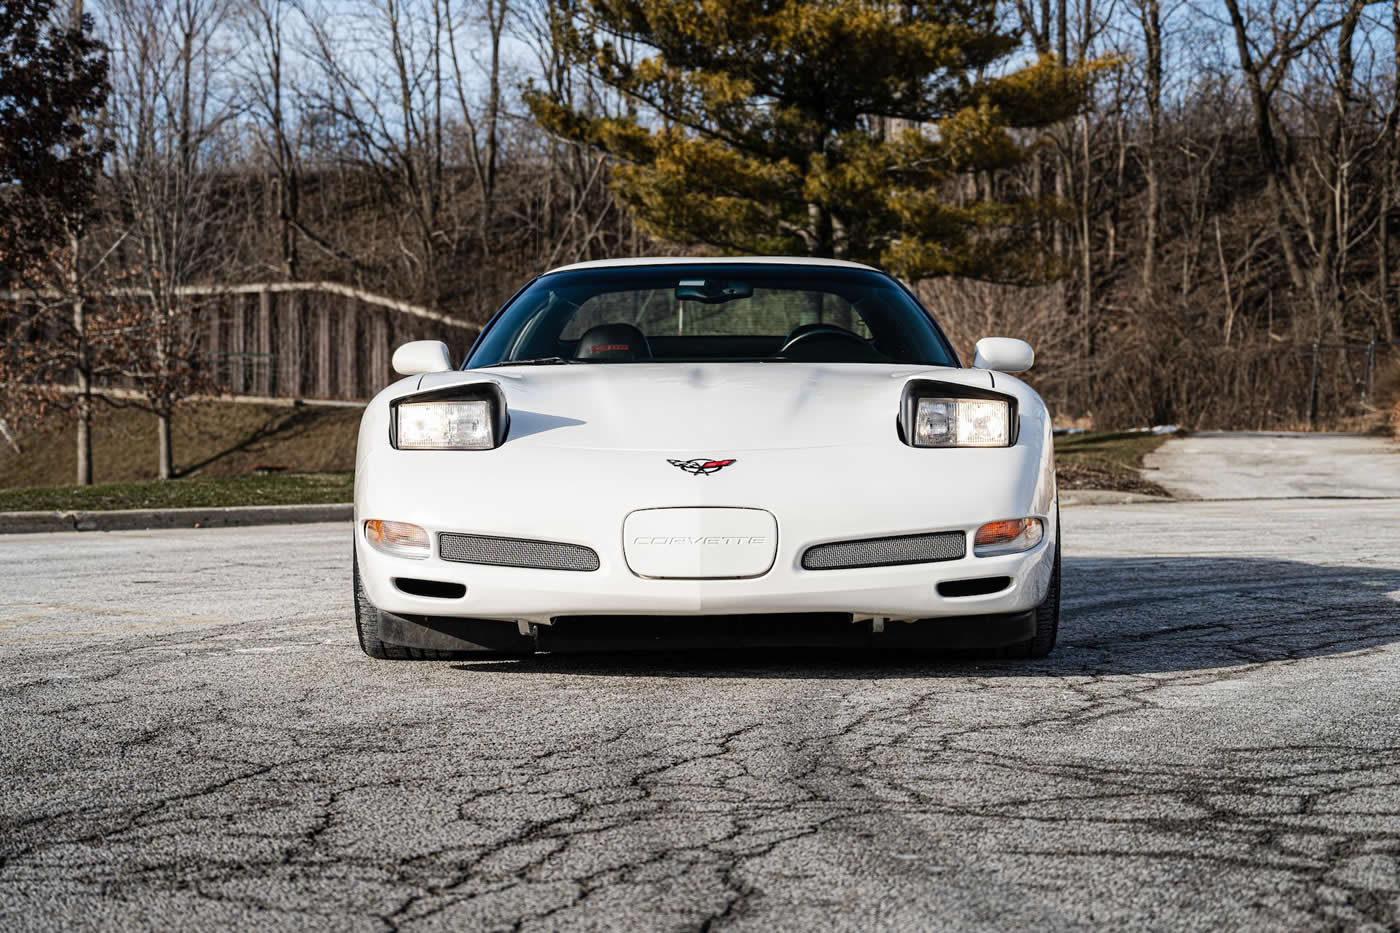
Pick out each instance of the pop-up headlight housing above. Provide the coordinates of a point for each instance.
(470, 417)
(945, 414)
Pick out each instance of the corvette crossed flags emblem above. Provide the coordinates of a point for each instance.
(701, 466)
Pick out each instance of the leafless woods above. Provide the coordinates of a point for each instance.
(1232, 197)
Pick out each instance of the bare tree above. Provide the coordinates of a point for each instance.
(265, 79)
(170, 113)
(483, 135)
(383, 83)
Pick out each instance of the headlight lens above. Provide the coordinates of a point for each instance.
(460, 425)
(397, 538)
(1008, 537)
(962, 422)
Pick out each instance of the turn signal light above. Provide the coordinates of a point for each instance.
(1008, 537)
(397, 538)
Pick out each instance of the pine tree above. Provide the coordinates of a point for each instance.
(53, 78)
(873, 131)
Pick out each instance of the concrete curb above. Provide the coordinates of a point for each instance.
(1073, 497)
(132, 519)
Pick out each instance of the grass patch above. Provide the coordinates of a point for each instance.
(200, 492)
(1107, 460)
(210, 439)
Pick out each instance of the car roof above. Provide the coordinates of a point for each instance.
(694, 260)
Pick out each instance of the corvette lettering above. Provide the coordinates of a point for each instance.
(701, 466)
(703, 539)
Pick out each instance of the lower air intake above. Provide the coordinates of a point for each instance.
(886, 552)
(516, 552)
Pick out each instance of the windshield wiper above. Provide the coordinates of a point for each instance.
(538, 361)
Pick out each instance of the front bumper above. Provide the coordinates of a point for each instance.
(583, 497)
(902, 592)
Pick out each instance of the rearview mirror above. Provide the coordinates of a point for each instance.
(712, 291)
(1004, 354)
(422, 356)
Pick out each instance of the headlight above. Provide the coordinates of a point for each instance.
(1008, 537)
(448, 425)
(962, 422)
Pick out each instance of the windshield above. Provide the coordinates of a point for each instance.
(713, 312)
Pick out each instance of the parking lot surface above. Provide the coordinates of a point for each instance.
(193, 740)
(1252, 465)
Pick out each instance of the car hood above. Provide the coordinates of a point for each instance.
(705, 408)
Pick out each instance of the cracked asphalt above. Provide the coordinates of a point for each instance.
(192, 740)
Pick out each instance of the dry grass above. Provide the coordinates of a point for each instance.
(1106, 460)
(199, 492)
(211, 439)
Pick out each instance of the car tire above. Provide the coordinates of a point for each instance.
(1047, 614)
(367, 619)
(369, 627)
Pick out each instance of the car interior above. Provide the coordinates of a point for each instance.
(624, 342)
(697, 316)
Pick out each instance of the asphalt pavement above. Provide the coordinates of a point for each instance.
(192, 740)
(1251, 465)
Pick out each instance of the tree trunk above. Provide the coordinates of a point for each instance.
(1266, 140)
(83, 376)
(167, 466)
(1391, 201)
(1062, 30)
(1383, 260)
(1152, 34)
(83, 411)
(1086, 269)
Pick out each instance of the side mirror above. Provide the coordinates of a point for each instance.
(422, 356)
(1004, 354)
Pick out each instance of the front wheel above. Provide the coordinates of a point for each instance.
(448, 640)
(367, 624)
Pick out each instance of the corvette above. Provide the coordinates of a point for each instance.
(739, 451)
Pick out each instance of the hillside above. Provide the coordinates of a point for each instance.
(211, 439)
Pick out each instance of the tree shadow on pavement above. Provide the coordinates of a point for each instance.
(1138, 615)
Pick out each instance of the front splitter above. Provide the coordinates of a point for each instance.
(603, 634)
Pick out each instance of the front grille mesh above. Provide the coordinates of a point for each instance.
(884, 552)
(516, 552)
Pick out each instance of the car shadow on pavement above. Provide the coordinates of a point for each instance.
(1136, 615)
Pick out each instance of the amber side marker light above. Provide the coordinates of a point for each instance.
(1007, 537)
(397, 538)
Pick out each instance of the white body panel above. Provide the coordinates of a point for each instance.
(815, 447)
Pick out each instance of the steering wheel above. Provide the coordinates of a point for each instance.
(810, 328)
(820, 333)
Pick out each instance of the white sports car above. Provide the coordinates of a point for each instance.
(680, 451)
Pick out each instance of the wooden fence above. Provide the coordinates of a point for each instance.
(301, 340)
(312, 340)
